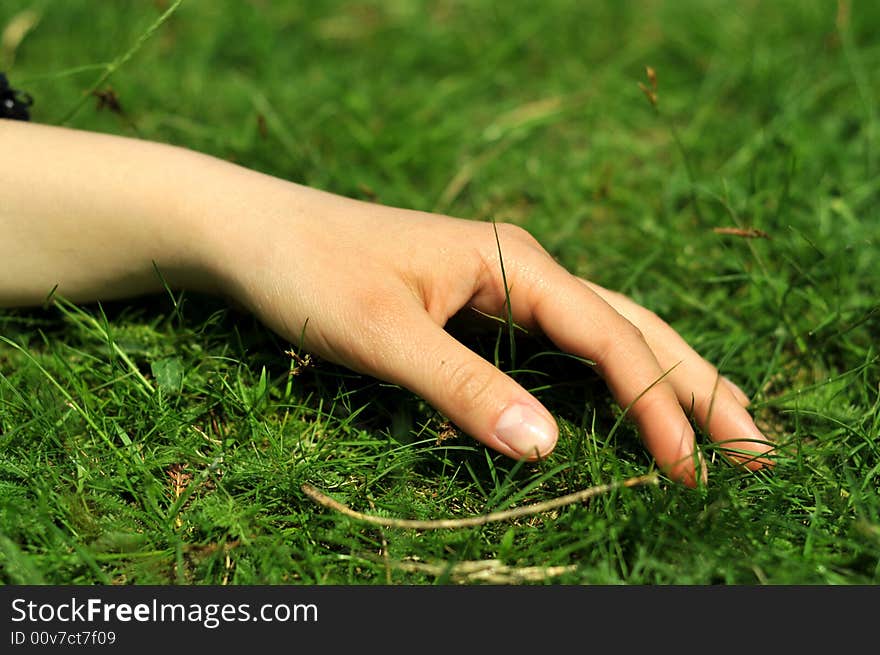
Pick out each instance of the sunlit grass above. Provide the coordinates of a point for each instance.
(165, 440)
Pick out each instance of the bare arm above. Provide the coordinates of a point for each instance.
(375, 285)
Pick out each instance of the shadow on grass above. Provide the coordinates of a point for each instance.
(570, 390)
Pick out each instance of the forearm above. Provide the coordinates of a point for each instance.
(95, 215)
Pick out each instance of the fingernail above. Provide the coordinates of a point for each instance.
(526, 431)
(741, 397)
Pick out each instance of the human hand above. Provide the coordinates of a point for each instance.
(367, 286)
(371, 287)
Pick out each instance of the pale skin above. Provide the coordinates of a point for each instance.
(92, 216)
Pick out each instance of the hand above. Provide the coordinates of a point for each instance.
(373, 287)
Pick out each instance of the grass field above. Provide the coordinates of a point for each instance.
(165, 440)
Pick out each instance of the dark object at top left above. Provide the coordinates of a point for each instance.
(13, 104)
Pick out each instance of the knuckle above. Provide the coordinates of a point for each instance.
(650, 401)
(616, 342)
(634, 333)
(511, 232)
(648, 316)
(469, 383)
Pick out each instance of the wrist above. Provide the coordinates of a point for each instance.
(231, 223)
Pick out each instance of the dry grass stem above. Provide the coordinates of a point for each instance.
(491, 571)
(482, 519)
(746, 233)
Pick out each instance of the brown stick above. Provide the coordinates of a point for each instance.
(438, 524)
(746, 233)
(491, 571)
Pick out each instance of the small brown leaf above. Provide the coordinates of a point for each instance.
(180, 478)
(652, 77)
(649, 94)
(746, 233)
(446, 431)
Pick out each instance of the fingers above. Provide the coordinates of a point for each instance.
(580, 322)
(738, 393)
(718, 404)
(484, 402)
(650, 370)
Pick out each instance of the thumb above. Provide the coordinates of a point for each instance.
(467, 389)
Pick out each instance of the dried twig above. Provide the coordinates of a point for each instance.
(471, 521)
(746, 233)
(491, 571)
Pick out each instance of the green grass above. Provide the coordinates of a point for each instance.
(164, 440)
